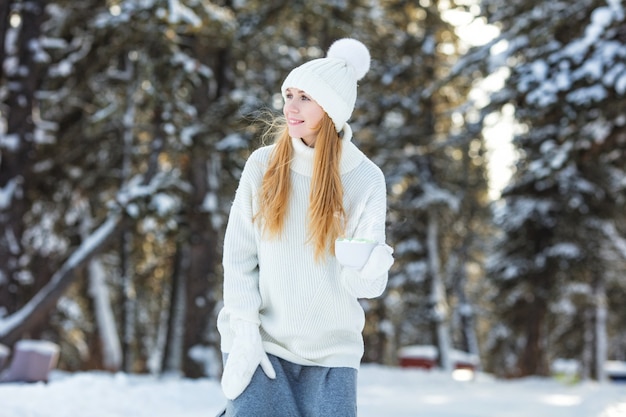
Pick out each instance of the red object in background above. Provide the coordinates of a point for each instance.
(422, 363)
(425, 357)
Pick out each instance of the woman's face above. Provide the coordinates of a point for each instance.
(303, 115)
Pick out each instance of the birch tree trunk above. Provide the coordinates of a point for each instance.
(98, 290)
(105, 319)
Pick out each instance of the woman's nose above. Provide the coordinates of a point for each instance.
(291, 106)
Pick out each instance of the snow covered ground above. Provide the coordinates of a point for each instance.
(383, 392)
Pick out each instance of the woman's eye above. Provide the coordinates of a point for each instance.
(288, 96)
(305, 98)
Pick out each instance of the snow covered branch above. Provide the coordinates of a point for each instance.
(37, 308)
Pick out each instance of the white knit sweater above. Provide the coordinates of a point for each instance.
(308, 310)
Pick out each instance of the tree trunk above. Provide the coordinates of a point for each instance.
(600, 345)
(200, 345)
(172, 352)
(110, 344)
(5, 10)
(587, 349)
(438, 301)
(18, 149)
(532, 359)
(109, 347)
(127, 238)
(465, 309)
(129, 301)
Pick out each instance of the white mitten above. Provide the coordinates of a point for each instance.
(378, 263)
(244, 358)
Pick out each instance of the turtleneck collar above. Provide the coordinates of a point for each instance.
(303, 155)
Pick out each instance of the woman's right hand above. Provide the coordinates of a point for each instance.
(244, 359)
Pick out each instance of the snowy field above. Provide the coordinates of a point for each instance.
(383, 392)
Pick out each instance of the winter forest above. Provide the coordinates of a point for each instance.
(125, 124)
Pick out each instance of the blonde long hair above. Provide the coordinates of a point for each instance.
(326, 213)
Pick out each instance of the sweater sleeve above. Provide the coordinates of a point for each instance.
(242, 298)
(370, 282)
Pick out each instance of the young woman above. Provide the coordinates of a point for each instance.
(291, 322)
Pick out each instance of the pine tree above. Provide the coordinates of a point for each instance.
(435, 177)
(567, 84)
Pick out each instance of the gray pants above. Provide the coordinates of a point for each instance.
(297, 391)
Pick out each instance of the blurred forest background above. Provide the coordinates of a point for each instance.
(124, 126)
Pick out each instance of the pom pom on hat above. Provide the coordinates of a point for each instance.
(332, 81)
(354, 53)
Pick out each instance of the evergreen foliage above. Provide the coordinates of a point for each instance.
(554, 263)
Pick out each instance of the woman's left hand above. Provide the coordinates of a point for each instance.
(378, 263)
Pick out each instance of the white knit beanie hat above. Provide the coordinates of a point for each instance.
(332, 81)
